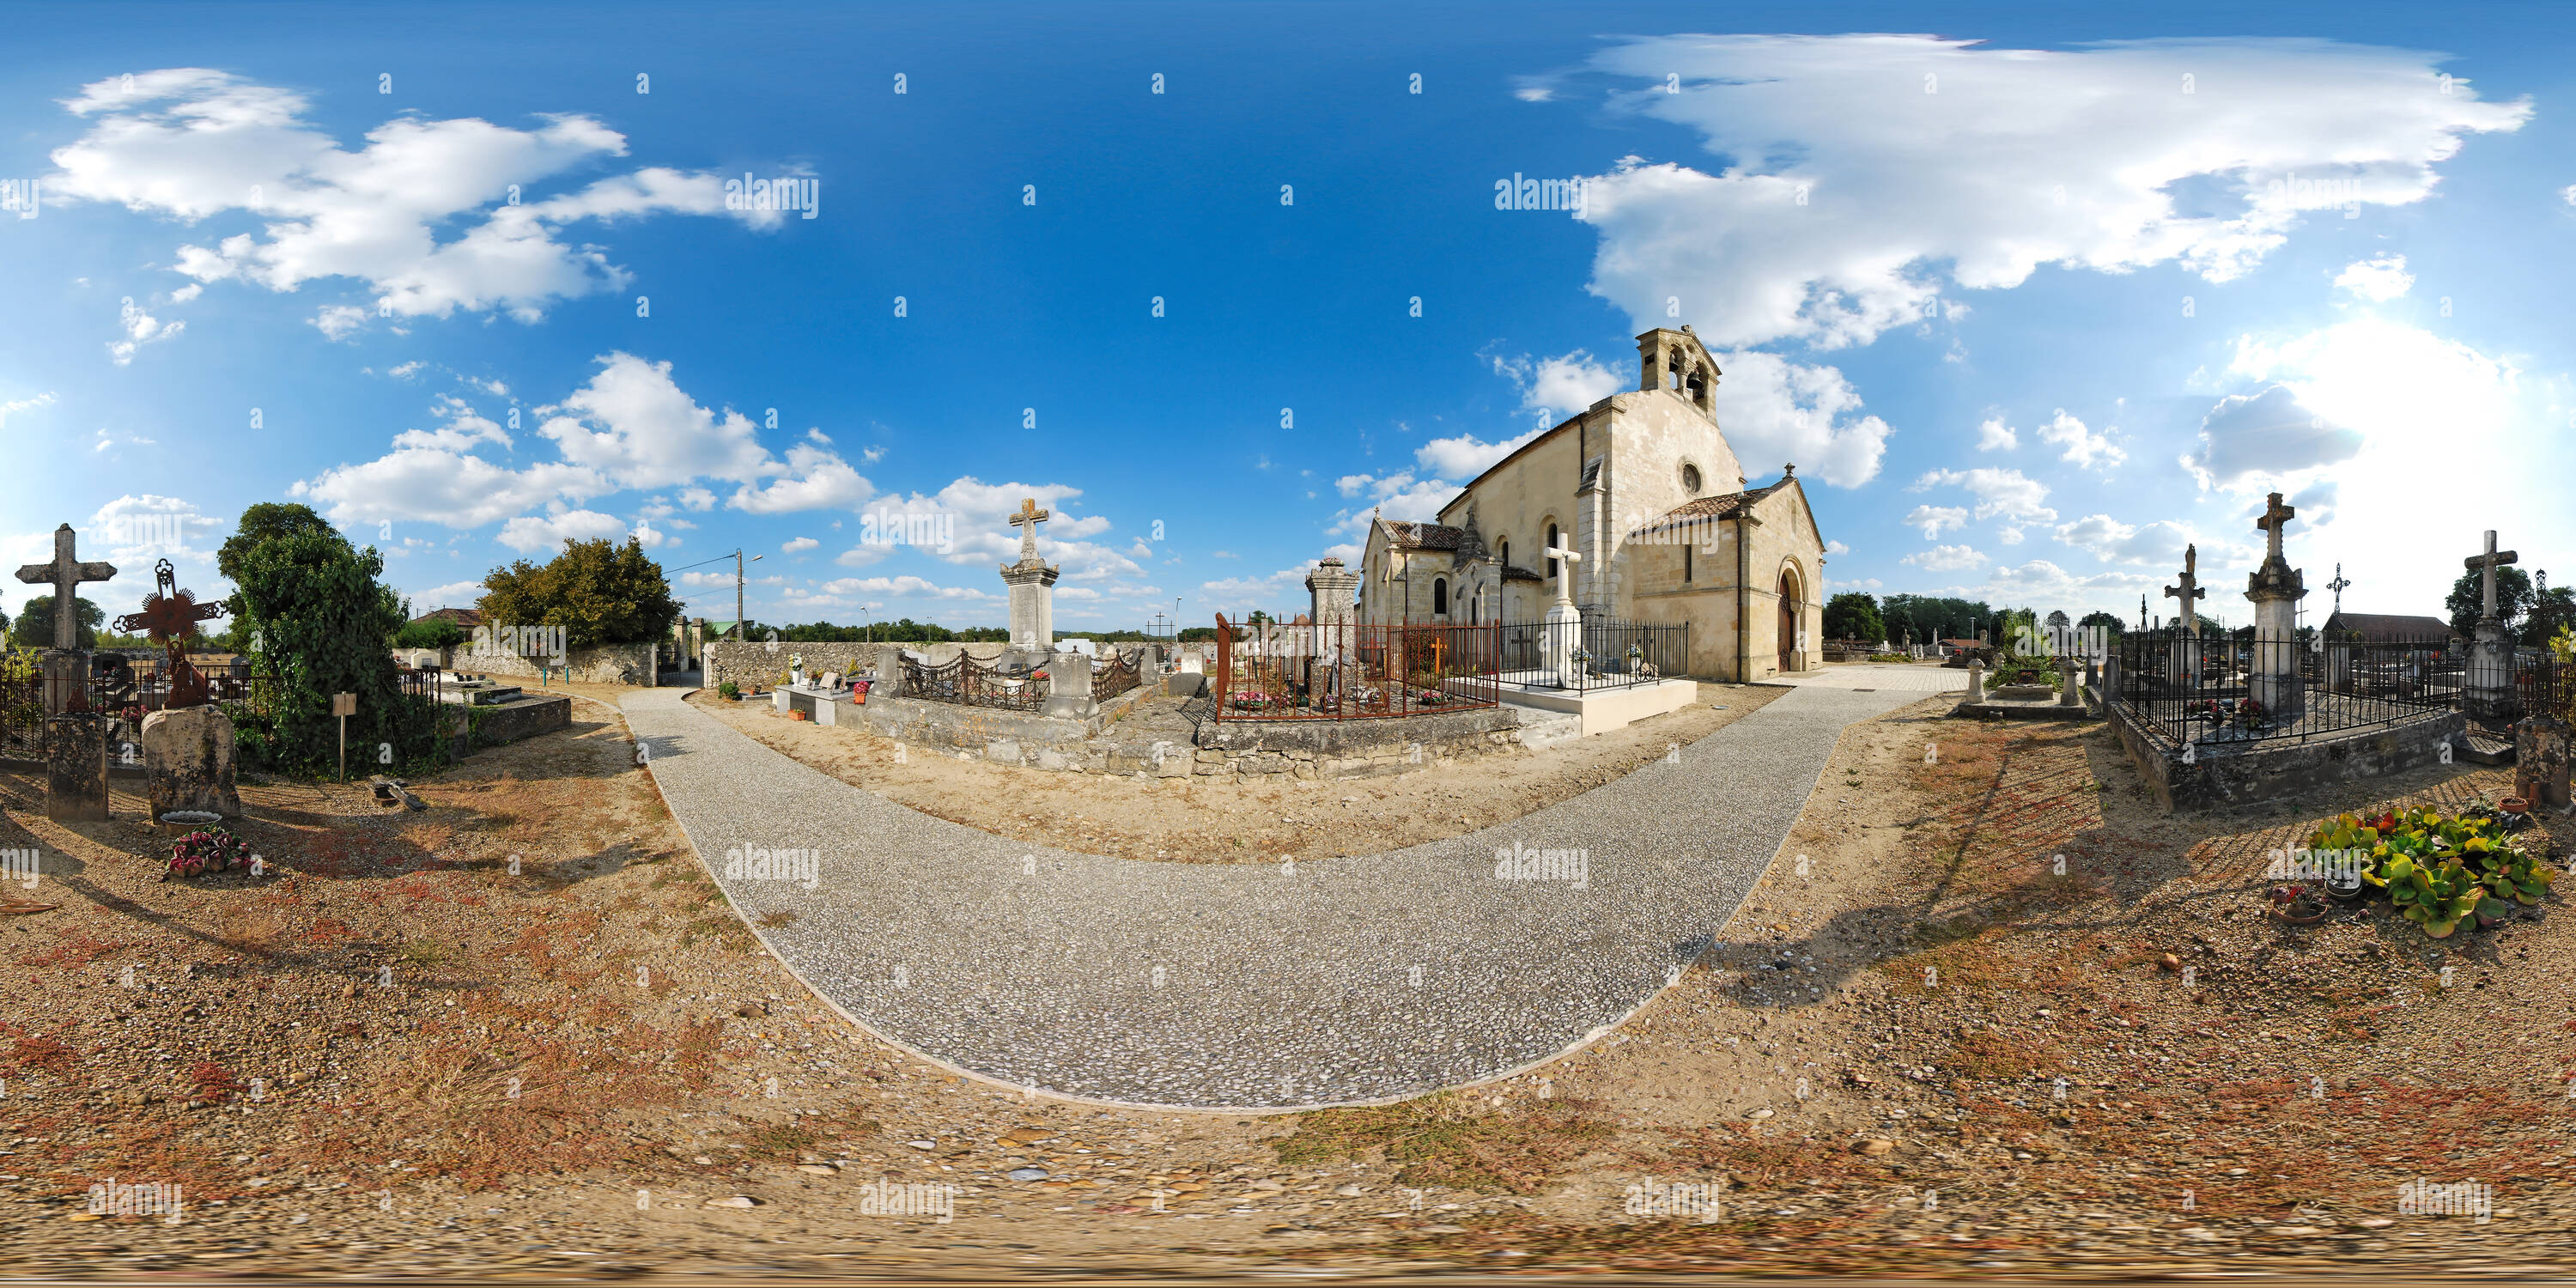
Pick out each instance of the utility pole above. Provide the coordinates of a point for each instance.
(737, 594)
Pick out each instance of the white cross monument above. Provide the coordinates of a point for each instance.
(2490, 690)
(1564, 620)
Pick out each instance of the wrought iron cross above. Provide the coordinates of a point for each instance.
(67, 572)
(2276, 516)
(2191, 589)
(2337, 586)
(2487, 563)
(1027, 521)
(171, 616)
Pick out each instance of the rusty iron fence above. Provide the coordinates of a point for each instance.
(2212, 688)
(1113, 673)
(1347, 671)
(968, 682)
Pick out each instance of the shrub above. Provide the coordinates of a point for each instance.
(321, 622)
(598, 592)
(730, 691)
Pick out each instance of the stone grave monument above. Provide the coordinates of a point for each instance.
(2276, 589)
(2184, 663)
(1032, 589)
(1564, 621)
(75, 735)
(2489, 694)
(189, 758)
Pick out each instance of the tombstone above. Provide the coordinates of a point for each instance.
(2183, 659)
(1069, 688)
(889, 677)
(76, 767)
(1564, 621)
(2541, 761)
(188, 761)
(2276, 589)
(2489, 694)
(1032, 589)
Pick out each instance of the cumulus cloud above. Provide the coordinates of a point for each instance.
(530, 534)
(140, 329)
(1858, 172)
(1935, 520)
(2008, 494)
(2112, 541)
(1399, 496)
(146, 526)
(455, 594)
(465, 427)
(2378, 279)
(1944, 559)
(1772, 408)
(193, 143)
(2249, 441)
(636, 427)
(1555, 388)
(1465, 456)
(2081, 446)
(1993, 435)
(798, 546)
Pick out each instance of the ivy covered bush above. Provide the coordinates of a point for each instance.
(321, 623)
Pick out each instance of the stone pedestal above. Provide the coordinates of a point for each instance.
(1564, 634)
(2276, 589)
(2541, 761)
(76, 768)
(2182, 663)
(889, 681)
(1032, 604)
(1069, 688)
(188, 761)
(1332, 587)
(2070, 687)
(66, 680)
(2489, 692)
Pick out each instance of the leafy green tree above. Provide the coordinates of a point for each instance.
(35, 628)
(2109, 622)
(599, 592)
(2552, 611)
(2468, 599)
(321, 619)
(261, 522)
(1853, 615)
(430, 633)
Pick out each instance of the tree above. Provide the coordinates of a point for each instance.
(322, 619)
(262, 522)
(2552, 610)
(598, 592)
(1853, 615)
(35, 628)
(2468, 598)
(430, 633)
(2108, 622)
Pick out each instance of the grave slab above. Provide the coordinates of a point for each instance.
(189, 761)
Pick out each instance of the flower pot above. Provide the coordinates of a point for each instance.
(2302, 911)
(2344, 891)
(2514, 805)
(795, 715)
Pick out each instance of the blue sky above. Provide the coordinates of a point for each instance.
(2031, 301)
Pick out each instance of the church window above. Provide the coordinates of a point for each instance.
(1507, 553)
(1686, 561)
(1552, 545)
(1439, 598)
(1690, 480)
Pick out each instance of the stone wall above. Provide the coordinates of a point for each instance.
(2244, 773)
(1350, 748)
(598, 664)
(749, 662)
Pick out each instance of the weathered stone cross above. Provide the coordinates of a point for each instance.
(1027, 521)
(1565, 578)
(2486, 563)
(67, 572)
(2276, 516)
(2190, 589)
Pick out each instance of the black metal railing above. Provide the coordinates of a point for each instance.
(1604, 653)
(1346, 671)
(2212, 688)
(968, 682)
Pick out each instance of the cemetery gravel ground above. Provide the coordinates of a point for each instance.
(373, 1094)
(1205, 819)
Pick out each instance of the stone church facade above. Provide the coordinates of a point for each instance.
(1643, 486)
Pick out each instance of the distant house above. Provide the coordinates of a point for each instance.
(465, 618)
(2388, 628)
(1949, 647)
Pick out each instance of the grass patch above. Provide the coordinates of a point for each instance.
(423, 952)
(1450, 1140)
(778, 920)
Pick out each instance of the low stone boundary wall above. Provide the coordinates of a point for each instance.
(1350, 748)
(598, 664)
(2223, 773)
(751, 662)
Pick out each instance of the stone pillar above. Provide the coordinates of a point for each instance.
(76, 768)
(1976, 682)
(889, 667)
(188, 761)
(1032, 606)
(66, 680)
(2490, 695)
(2541, 756)
(1069, 688)
(2070, 687)
(1331, 586)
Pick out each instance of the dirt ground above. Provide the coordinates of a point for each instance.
(572, 1062)
(1203, 820)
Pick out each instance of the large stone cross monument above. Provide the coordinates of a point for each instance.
(1032, 583)
(1564, 620)
(75, 736)
(2490, 688)
(2185, 661)
(2276, 589)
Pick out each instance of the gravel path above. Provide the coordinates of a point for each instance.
(1208, 986)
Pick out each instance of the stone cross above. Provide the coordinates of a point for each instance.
(2337, 586)
(67, 572)
(2486, 563)
(1027, 521)
(1565, 579)
(2276, 516)
(2190, 589)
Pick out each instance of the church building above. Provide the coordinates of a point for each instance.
(1643, 487)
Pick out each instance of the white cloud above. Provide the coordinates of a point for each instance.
(140, 329)
(1771, 408)
(1935, 520)
(1993, 435)
(1465, 456)
(16, 405)
(2112, 541)
(192, 143)
(697, 498)
(465, 427)
(821, 481)
(530, 534)
(2083, 447)
(2006, 493)
(1555, 388)
(1944, 559)
(2378, 279)
(2250, 441)
(2568, 194)
(145, 527)
(455, 594)
(1836, 548)
(437, 485)
(339, 321)
(1847, 192)
(635, 426)
(1399, 496)
(799, 545)
(846, 587)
